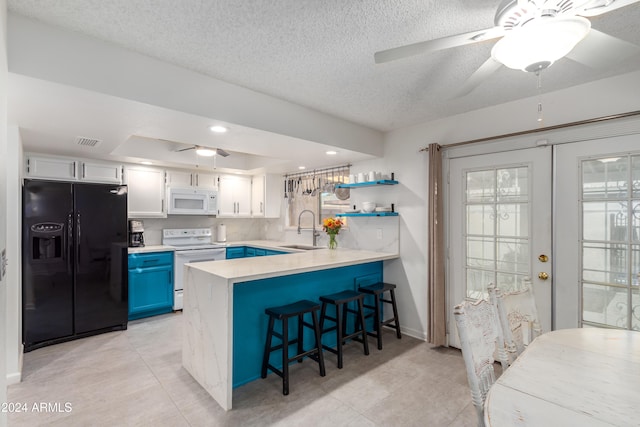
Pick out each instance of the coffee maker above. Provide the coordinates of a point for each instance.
(136, 233)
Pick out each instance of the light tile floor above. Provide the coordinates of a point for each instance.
(135, 378)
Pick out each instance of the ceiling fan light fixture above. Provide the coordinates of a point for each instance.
(218, 129)
(205, 152)
(540, 43)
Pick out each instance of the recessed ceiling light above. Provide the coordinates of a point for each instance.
(331, 153)
(218, 129)
(146, 163)
(302, 167)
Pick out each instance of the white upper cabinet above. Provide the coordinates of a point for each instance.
(186, 179)
(146, 192)
(52, 168)
(66, 169)
(101, 172)
(234, 196)
(266, 196)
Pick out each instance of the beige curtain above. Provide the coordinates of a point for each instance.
(436, 332)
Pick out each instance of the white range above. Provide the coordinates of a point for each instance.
(191, 245)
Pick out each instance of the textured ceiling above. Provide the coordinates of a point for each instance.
(320, 53)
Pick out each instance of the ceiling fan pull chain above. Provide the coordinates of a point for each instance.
(539, 77)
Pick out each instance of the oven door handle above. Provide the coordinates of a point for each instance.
(200, 253)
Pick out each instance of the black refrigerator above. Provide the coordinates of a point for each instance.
(74, 261)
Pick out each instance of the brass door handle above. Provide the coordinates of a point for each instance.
(543, 276)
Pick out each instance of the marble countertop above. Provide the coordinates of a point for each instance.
(300, 261)
(151, 248)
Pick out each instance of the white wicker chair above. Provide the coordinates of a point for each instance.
(480, 334)
(518, 317)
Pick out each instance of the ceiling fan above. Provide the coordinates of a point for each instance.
(532, 35)
(206, 151)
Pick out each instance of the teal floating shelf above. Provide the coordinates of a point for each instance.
(368, 214)
(368, 183)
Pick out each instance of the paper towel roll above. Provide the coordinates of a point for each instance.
(222, 233)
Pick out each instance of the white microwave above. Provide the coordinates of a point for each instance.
(192, 201)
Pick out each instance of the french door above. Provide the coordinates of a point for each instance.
(566, 215)
(500, 227)
(598, 233)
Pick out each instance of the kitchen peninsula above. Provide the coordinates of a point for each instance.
(224, 301)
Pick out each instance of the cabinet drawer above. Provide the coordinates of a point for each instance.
(236, 252)
(151, 259)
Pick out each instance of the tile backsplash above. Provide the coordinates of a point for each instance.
(378, 234)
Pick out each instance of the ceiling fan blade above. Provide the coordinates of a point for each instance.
(489, 67)
(600, 50)
(595, 8)
(183, 149)
(437, 44)
(221, 152)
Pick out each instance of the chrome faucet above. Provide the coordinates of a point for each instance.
(315, 233)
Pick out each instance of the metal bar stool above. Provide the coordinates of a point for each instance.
(341, 302)
(378, 290)
(297, 309)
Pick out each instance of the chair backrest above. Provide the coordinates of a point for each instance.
(480, 333)
(518, 316)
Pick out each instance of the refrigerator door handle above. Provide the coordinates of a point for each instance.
(78, 235)
(69, 239)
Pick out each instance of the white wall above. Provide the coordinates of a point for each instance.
(3, 201)
(401, 155)
(14, 248)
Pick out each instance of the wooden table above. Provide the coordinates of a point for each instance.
(577, 377)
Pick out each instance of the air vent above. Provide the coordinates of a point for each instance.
(88, 142)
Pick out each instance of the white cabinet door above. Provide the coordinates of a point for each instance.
(184, 179)
(101, 172)
(146, 193)
(257, 196)
(180, 179)
(266, 196)
(52, 168)
(207, 181)
(234, 196)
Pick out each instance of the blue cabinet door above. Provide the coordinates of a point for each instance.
(150, 284)
(150, 291)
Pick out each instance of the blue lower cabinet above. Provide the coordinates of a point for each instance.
(150, 284)
(272, 252)
(250, 251)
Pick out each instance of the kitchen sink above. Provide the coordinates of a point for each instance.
(302, 247)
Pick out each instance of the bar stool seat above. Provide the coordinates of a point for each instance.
(284, 313)
(341, 302)
(378, 290)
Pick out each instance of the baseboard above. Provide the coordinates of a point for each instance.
(14, 378)
(413, 333)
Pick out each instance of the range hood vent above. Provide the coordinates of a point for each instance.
(88, 142)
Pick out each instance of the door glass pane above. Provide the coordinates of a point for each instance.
(481, 186)
(497, 229)
(605, 220)
(480, 220)
(512, 184)
(610, 236)
(605, 178)
(513, 219)
(635, 176)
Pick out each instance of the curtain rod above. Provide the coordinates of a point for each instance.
(544, 129)
(317, 171)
